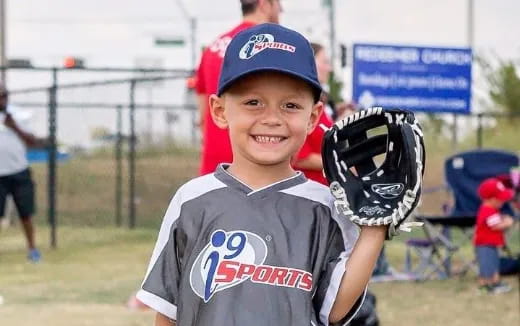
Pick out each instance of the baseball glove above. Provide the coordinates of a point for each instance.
(368, 193)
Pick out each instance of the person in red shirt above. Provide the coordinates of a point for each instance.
(489, 233)
(216, 147)
(308, 159)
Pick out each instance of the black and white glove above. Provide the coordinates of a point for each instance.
(369, 189)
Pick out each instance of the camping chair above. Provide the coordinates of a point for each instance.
(463, 173)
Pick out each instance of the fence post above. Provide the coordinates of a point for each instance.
(194, 126)
(455, 132)
(131, 157)
(51, 178)
(119, 165)
(479, 130)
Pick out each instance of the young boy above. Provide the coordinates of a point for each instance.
(489, 235)
(256, 243)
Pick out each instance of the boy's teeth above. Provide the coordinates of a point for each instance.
(267, 139)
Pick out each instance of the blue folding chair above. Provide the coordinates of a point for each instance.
(463, 172)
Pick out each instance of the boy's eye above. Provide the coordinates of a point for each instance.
(252, 102)
(291, 106)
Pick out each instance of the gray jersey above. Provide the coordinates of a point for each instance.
(227, 255)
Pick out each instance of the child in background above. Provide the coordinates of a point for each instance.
(489, 234)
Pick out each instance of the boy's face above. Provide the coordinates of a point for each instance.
(268, 115)
(495, 202)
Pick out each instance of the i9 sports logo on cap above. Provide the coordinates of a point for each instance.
(269, 47)
(233, 257)
(258, 43)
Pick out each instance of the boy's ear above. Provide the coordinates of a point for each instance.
(316, 112)
(218, 112)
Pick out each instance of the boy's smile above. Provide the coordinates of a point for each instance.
(269, 115)
(269, 140)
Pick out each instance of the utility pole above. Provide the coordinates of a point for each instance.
(3, 60)
(332, 32)
(470, 23)
(469, 40)
(193, 29)
(193, 41)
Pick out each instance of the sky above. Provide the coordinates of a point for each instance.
(119, 31)
(122, 32)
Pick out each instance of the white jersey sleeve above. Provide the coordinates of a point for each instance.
(159, 289)
(342, 237)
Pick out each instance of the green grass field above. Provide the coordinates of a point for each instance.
(89, 278)
(85, 282)
(97, 266)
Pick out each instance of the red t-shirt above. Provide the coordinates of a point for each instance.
(216, 147)
(313, 145)
(487, 217)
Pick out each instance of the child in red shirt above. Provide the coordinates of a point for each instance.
(489, 234)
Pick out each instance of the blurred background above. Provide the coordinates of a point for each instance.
(111, 84)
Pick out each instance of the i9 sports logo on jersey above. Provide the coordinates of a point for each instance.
(258, 43)
(231, 258)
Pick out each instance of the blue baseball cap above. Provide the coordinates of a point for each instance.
(269, 47)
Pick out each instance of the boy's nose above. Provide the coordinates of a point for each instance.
(272, 115)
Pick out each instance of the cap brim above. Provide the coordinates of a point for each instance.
(315, 86)
(506, 195)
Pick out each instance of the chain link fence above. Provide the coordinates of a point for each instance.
(120, 143)
(123, 141)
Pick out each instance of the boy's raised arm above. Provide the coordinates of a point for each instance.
(359, 268)
(377, 197)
